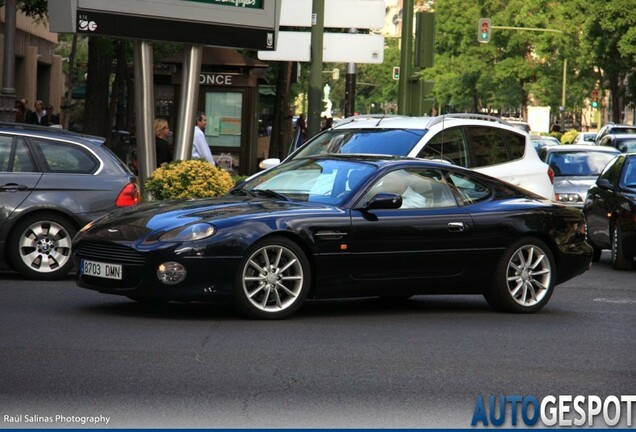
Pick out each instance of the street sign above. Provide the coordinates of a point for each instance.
(249, 24)
(337, 47)
(361, 14)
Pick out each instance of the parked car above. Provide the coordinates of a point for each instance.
(52, 183)
(340, 226)
(610, 211)
(585, 138)
(576, 168)
(625, 143)
(543, 141)
(484, 143)
(611, 129)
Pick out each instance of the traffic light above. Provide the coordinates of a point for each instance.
(595, 98)
(396, 73)
(483, 30)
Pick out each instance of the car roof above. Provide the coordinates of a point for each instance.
(373, 121)
(580, 148)
(49, 132)
(621, 136)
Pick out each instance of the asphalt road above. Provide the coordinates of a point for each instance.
(421, 363)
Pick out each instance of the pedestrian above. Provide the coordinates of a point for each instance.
(20, 111)
(162, 147)
(39, 116)
(200, 147)
(54, 118)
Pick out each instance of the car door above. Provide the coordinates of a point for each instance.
(601, 202)
(18, 175)
(399, 250)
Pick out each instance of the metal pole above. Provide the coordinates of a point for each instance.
(350, 86)
(7, 93)
(565, 69)
(145, 110)
(405, 56)
(315, 73)
(188, 102)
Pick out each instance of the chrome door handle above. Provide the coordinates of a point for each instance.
(457, 226)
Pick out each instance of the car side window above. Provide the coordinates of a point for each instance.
(66, 158)
(487, 146)
(5, 152)
(15, 156)
(516, 144)
(467, 189)
(629, 173)
(449, 145)
(612, 171)
(418, 189)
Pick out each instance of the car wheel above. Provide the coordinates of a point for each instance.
(524, 278)
(273, 279)
(619, 260)
(40, 246)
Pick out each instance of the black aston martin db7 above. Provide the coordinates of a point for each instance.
(340, 226)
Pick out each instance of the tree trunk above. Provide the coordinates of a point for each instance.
(281, 128)
(97, 120)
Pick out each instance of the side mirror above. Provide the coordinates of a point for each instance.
(269, 163)
(386, 201)
(605, 184)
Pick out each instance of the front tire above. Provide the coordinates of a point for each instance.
(524, 278)
(40, 246)
(619, 260)
(273, 279)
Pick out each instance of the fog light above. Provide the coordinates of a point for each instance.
(171, 273)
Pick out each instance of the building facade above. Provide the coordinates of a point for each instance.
(38, 70)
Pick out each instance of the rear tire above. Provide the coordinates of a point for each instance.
(619, 260)
(524, 278)
(40, 246)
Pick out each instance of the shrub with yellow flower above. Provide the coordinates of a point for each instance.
(188, 179)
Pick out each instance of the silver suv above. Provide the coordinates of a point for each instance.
(483, 143)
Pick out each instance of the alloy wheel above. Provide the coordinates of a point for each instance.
(273, 278)
(45, 246)
(529, 275)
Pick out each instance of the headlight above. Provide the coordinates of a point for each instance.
(568, 197)
(189, 233)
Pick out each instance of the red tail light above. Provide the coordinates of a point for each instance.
(551, 175)
(128, 196)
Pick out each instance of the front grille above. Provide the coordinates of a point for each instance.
(109, 252)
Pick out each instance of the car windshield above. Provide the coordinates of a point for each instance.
(396, 142)
(578, 163)
(329, 181)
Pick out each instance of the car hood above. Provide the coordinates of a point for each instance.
(149, 220)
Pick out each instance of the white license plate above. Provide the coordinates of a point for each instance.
(100, 269)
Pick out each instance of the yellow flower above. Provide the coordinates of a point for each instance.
(188, 179)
